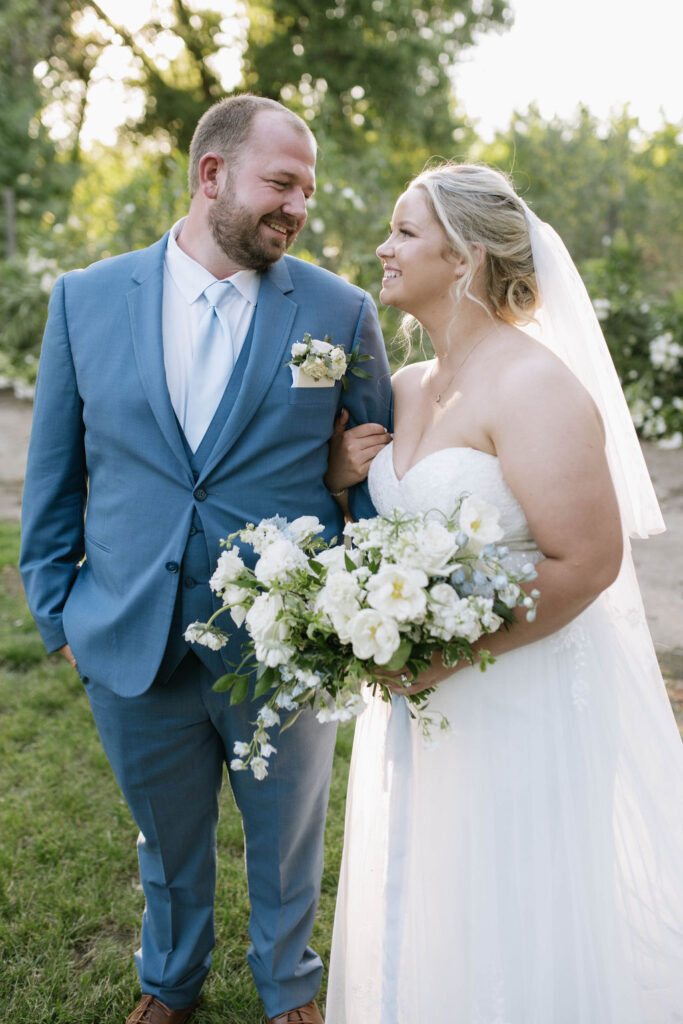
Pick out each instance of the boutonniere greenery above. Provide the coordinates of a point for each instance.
(321, 360)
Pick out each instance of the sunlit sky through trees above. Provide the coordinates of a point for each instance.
(559, 53)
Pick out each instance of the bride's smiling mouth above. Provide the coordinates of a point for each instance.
(390, 274)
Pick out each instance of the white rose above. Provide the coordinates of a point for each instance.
(299, 348)
(433, 547)
(279, 560)
(399, 593)
(323, 347)
(479, 521)
(374, 635)
(228, 568)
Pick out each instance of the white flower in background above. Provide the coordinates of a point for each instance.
(228, 568)
(673, 442)
(479, 521)
(207, 636)
(280, 559)
(665, 352)
(602, 308)
(285, 701)
(311, 680)
(374, 635)
(398, 593)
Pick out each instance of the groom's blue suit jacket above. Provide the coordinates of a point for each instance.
(110, 495)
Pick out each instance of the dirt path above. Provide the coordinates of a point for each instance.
(659, 561)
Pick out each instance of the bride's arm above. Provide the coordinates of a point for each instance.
(352, 451)
(550, 442)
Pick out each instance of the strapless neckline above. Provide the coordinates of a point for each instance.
(431, 455)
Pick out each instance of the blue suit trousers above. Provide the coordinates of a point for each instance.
(167, 748)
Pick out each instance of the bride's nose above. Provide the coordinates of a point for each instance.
(384, 249)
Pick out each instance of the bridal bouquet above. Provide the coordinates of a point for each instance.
(324, 619)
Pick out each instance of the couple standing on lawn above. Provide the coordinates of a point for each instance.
(534, 854)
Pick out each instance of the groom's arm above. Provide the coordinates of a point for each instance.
(368, 400)
(55, 488)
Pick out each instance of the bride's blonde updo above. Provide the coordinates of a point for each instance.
(474, 203)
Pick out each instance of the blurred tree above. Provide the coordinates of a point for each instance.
(597, 182)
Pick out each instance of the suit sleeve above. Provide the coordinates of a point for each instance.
(368, 401)
(55, 489)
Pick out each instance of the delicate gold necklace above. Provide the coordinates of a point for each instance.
(460, 365)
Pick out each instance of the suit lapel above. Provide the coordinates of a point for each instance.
(144, 308)
(273, 320)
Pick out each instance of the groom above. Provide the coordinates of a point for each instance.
(165, 418)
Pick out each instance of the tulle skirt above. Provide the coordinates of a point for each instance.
(526, 867)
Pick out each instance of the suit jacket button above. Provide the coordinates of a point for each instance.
(200, 494)
(190, 582)
(193, 530)
(172, 567)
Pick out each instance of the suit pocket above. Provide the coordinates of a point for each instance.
(313, 397)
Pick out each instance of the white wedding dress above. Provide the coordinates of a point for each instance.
(527, 868)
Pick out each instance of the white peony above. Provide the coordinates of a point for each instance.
(228, 568)
(279, 560)
(432, 549)
(479, 521)
(399, 593)
(374, 635)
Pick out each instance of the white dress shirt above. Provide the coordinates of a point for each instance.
(182, 307)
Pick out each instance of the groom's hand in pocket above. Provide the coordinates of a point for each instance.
(67, 653)
(352, 450)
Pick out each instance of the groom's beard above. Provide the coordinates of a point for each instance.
(237, 232)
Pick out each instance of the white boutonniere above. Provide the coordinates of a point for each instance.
(318, 363)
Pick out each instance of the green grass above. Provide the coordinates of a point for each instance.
(70, 902)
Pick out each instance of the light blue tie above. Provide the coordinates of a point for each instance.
(211, 366)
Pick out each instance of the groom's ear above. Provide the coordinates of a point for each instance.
(210, 168)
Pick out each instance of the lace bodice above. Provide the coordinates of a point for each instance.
(437, 480)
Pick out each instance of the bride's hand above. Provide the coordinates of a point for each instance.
(435, 674)
(352, 451)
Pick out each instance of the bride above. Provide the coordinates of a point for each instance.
(527, 867)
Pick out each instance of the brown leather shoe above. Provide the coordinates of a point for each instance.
(151, 1010)
(308, 1014)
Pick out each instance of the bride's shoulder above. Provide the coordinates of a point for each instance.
(410, 375)
(529, 373)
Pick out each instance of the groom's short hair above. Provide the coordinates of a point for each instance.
(224, 128)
